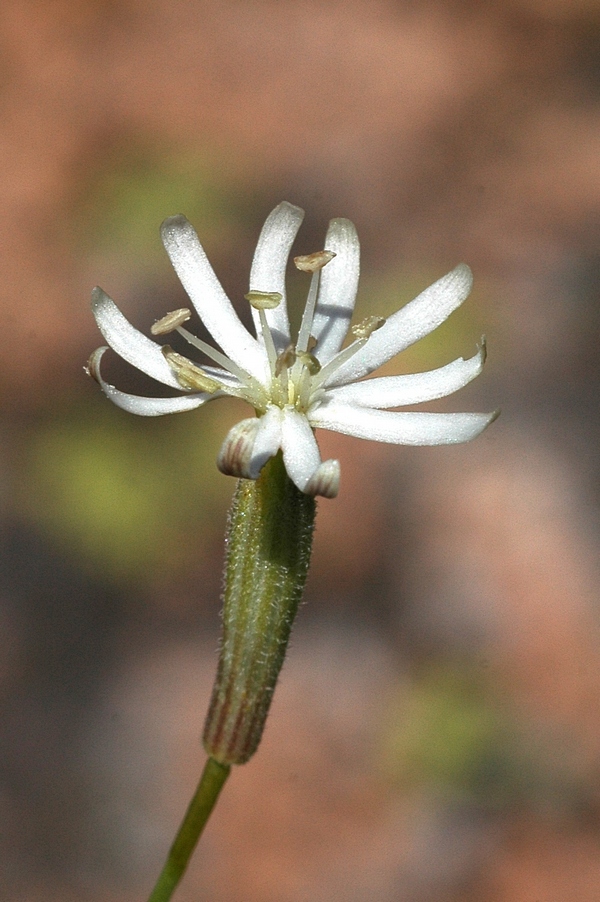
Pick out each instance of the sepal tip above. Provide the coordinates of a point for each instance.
(325, 481)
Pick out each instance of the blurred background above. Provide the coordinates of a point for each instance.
(436, 730)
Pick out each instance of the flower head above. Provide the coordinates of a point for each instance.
(296, 385)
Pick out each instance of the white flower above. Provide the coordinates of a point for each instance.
(295, 387)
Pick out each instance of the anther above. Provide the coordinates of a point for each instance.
(286, 359)
(189, 376)
(313, 262)
(171, 321)
(310, 362)
(264, 300)
(369, 325)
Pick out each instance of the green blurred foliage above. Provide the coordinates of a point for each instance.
(132, 498)
(448, 732)
(122, 201)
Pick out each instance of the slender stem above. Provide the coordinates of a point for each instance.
(210, 785)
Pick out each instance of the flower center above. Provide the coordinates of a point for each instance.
(296, 375)
(293, 369)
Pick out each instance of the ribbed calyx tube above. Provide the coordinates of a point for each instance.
(268, 545)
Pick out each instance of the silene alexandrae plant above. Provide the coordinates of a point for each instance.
(295, 384)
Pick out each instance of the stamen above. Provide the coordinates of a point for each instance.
(264, 300)
(313, 262)
(261, 301)
(363, 331)
(189, 376)
(268, 339)
(309, 312)
(227, 364)
(369, 325)
(307, 367)
(336, 362)
(171, 321)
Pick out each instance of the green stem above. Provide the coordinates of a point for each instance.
(210, 785)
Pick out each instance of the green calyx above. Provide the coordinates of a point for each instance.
(269, 540)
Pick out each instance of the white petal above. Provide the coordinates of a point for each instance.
(267, 441)
(269, 265)
(206, 293)
(414, 388)
(145, 407)
(300, 452)
(131, 345)
(337, 291)
(417, 319)
(401, 428)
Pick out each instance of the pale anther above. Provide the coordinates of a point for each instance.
(264, 300)
(310, 362)
(189, 375)
(287, 359)
(171, 321)
(369, 325)
(313, 262)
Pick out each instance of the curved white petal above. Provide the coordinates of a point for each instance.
(418, 318)
(206, 293)
(145, 407)
(414, 388)
(300, 452)
(131, 345)
(337, 291)
(267, 440)
(401, 428)
(269, 265)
